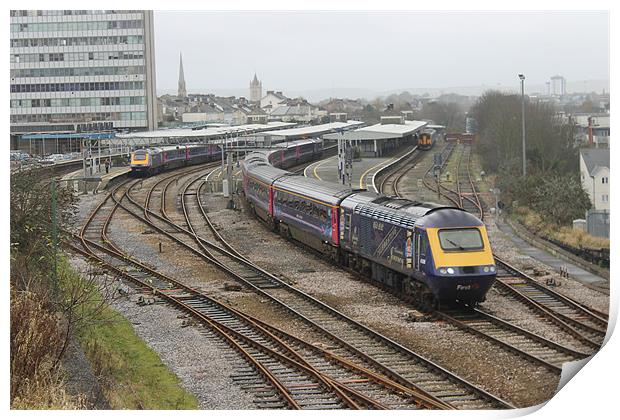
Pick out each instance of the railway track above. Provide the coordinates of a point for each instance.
(346, 337)
(469, 199)
(464, 195)
(581, 322)
(389, 182)
(282, 370)
(583, 325)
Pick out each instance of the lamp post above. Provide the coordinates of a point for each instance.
(522, 77)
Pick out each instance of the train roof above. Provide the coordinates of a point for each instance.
(266, 173)
(449, 217)
(161, 148)
(393, 216)
(296, 143)
(358, 198)
(327, 192)
(418, 215)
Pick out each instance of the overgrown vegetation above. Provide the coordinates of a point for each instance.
(51, 304)
(565, 234)
(37, 341)
(552, 188)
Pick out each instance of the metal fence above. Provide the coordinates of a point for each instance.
(598, 223)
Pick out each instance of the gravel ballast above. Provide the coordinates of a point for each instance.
(495, 370)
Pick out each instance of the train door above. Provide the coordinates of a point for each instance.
(345, 227)
(420, 249)
(416, 252)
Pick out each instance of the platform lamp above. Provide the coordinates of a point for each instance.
(522, 78)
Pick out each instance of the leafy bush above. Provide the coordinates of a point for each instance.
(558, 199)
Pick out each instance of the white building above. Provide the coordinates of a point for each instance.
(594, 168)
(271, 100)
(81, 70)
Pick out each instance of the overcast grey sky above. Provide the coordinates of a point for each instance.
(378, 51)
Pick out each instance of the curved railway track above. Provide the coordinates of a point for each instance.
(283, 380)
(361, 369)
(346, 337)
(390, 181)
(583, 324)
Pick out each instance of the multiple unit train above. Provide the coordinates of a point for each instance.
(429, 253)
(427, 139)
(146, 162)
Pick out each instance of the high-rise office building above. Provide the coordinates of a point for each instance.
(76, 71)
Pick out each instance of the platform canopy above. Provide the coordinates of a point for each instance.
(381, 131)
(313, 130)
(209, 132)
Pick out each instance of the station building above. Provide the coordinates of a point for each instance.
(377, 140)
(79, 71)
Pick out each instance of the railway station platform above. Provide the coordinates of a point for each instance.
(96, 182)
(364, 169)
(575, 272)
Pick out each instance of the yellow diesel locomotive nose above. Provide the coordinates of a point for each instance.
(461, 247)
(139, 159)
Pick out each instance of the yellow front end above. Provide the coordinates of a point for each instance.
(136, 161)
(468, 258)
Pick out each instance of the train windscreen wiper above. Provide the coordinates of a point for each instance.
(455, 244)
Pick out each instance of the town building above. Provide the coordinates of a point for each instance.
(79, 71)
(558, 85)
(297, 110)
(271, 100)
(591, 129)
(594, 169)
(349, 106)
(256, 89)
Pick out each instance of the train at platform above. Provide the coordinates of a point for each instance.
(151, 161)
(428, 253)
(427, 139)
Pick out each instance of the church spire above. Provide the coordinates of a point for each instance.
(182, 92)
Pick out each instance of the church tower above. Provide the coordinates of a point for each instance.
(182, 93)
(256, 89)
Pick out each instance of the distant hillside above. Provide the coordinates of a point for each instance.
(316, 95)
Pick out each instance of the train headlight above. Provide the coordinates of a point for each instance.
(443, 271)
(450, 270)
(486, 269)
(492, 269)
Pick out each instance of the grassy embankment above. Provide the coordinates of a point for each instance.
(135, 377)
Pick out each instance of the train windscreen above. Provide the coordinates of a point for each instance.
(460, 239)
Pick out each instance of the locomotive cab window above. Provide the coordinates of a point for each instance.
(468, 239)
(140, 155)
